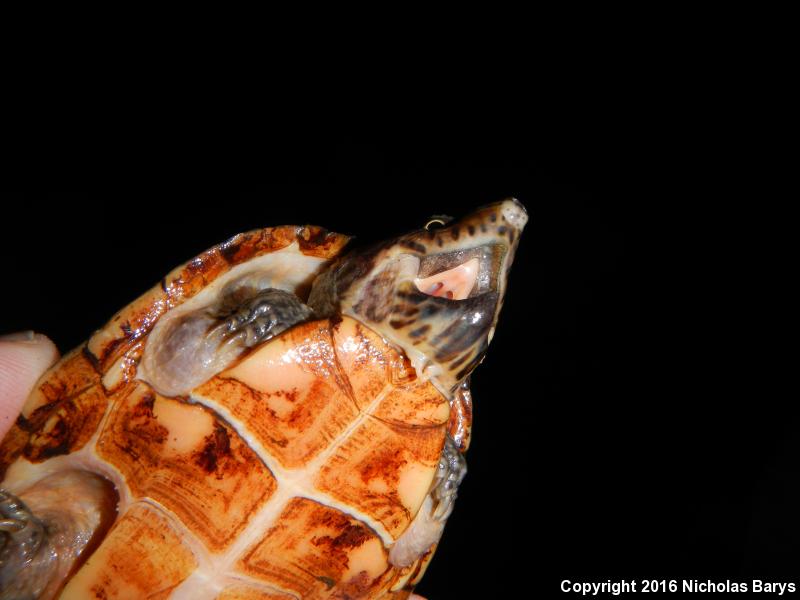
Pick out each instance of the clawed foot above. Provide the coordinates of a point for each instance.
(19, 529)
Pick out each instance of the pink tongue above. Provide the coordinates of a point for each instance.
(455, 283)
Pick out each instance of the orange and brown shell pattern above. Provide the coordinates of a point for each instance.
(280, 418)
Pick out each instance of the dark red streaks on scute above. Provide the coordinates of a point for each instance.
(280, 442)
(244, 246)
(351, 536)
(317, 241)
(126, 329)
(216, 448)
(92, 359)
(289, 395)
(384, 463)
(229, 249)
(311, 552)
(145, 406)
(300, 417)
(213, 483)
(67, 422)
(128, 449)
(63, 430)
(12, 446)
(73, 375)
(37, 417)
(142, 424)
(328, 581)
(110, 351)
(59, 434)
(355, 588)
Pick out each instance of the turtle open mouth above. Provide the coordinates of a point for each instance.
(454, 284)
(459, 275)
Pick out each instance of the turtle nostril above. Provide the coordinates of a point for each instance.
(515, 214)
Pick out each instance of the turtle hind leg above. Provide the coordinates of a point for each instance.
(49, 530)
(21, 537)
(427, 527)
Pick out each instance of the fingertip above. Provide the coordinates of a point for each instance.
(23, 359)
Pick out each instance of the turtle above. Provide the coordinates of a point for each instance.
(281, 417)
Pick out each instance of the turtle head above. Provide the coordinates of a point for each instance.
(435, 292)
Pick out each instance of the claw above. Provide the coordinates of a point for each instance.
(21, 535)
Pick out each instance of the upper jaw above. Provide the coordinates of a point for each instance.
(482, 243)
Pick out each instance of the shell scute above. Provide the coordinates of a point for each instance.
(68, 426)
(61, 414)
(365, 359)
(185, 458)
(142, 557)
(73, 374)
(316, 551)
(384, 471)
(290, 393)
(417, 404)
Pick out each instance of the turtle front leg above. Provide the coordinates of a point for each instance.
(49, 530)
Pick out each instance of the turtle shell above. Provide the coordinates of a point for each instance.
(289, 474)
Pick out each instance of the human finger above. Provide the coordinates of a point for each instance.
(23, 358)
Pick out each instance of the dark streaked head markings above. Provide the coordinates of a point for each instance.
(436, 292)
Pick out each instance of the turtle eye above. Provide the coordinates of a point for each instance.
(454, 284)
(437, 222)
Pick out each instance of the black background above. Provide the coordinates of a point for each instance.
(617, 434)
